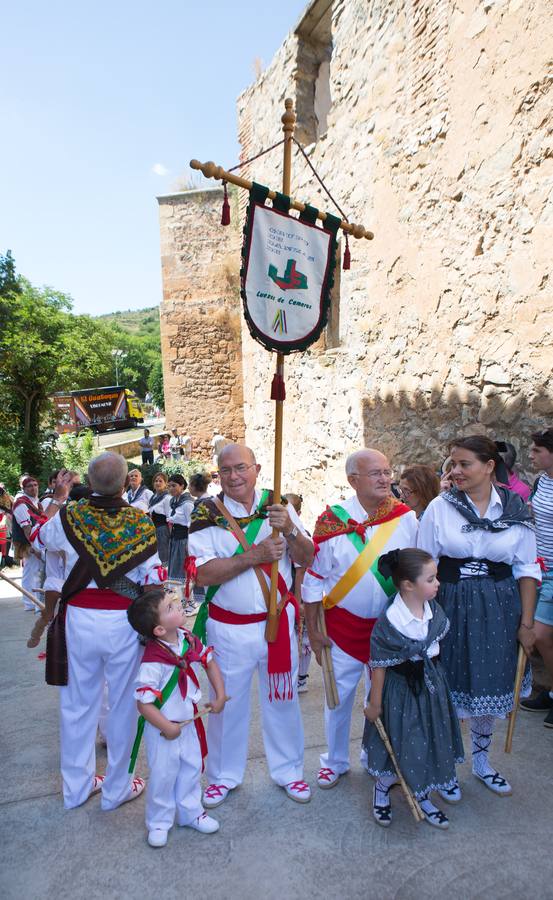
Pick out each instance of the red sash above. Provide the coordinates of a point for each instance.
(99, 598)
(279, 662)
(350, 633)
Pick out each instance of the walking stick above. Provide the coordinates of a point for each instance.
(521, 665)
(418, 814)
(331, 689)
(23, 591)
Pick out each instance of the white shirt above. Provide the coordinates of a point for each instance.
(51, 536)
(21, 513)
(242, 593)
(162, 507)
(156, 675)
(440, 534)
(182, 514)
(142, 501)
(366, 599)
(400, 616)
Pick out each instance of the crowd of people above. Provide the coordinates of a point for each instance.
(423, 589)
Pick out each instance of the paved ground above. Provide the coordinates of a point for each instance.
(268, 847)
(106, 439)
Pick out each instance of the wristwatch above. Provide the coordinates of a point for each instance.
(292, 535)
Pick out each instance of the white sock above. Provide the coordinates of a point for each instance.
(427, 806)
(481, 731)
(383, 785)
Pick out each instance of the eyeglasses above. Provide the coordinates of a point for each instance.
(240, 469)
(386, 473)
(406, 492)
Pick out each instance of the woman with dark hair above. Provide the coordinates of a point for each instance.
(483, 537)
(418, 485)
(158, 510)
(541, 454)
(180, 510)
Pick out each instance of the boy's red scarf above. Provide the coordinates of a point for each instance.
(157, 652)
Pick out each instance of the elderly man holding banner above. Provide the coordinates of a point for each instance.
(344, 578)
(231, 544)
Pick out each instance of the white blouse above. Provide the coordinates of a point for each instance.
(182, 514)
(441, 534)
(400, 616)
(162, 507)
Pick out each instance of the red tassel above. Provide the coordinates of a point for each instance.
(278, 390)
(225, 215)
(191, 573)
(347, 255)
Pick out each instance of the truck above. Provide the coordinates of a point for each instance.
(102, 409)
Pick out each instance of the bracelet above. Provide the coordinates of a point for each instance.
(529, 627)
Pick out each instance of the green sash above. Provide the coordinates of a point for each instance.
(165, 694)
(250, 534)
(386, 584)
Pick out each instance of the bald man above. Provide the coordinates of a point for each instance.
(237, 609)
(101, 647)
(356, 531)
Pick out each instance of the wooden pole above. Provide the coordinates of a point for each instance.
(331, 689)
(418, 814)
(271, 631)
(23, 591)
(521, 665)
(211, 170)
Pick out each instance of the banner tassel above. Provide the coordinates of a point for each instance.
(225, 215)
(278, 390)
(347, 255)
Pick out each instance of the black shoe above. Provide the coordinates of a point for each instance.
(541, 703)
(548, 721)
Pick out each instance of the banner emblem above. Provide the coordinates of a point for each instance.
(287, 273)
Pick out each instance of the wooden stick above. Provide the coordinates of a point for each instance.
(418, 814)
(271, 629)
(199, 715)
(211, 170)
(23, 591)
(521, 666)
(331, 689)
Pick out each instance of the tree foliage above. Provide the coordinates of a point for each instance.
(44, 348)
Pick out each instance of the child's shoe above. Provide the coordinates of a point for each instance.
(452, 794)
(157, 837)
(432, 814)
(205, 824)
(382, 812)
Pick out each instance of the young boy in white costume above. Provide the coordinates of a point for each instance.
(167, 694)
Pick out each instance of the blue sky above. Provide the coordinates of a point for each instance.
(103, 106)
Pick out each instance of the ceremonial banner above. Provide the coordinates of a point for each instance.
(287, 273)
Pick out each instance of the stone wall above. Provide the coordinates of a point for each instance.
(200, 319)
(439, 139)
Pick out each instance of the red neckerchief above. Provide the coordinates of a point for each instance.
(330, 526)
(157, 652)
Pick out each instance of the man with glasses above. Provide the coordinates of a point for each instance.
(237, 583)
(344, 578)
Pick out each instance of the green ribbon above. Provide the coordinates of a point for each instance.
(250, 534)
(165, 694)
(386, 584)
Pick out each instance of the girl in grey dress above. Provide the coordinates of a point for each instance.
(409, 690)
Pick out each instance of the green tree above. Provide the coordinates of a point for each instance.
(155, 383)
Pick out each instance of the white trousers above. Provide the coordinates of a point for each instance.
(174, 782)
(239, 651)
(31, 578)
(101, 646)
(347, 672)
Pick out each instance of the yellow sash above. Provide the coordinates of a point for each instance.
(362, 564)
